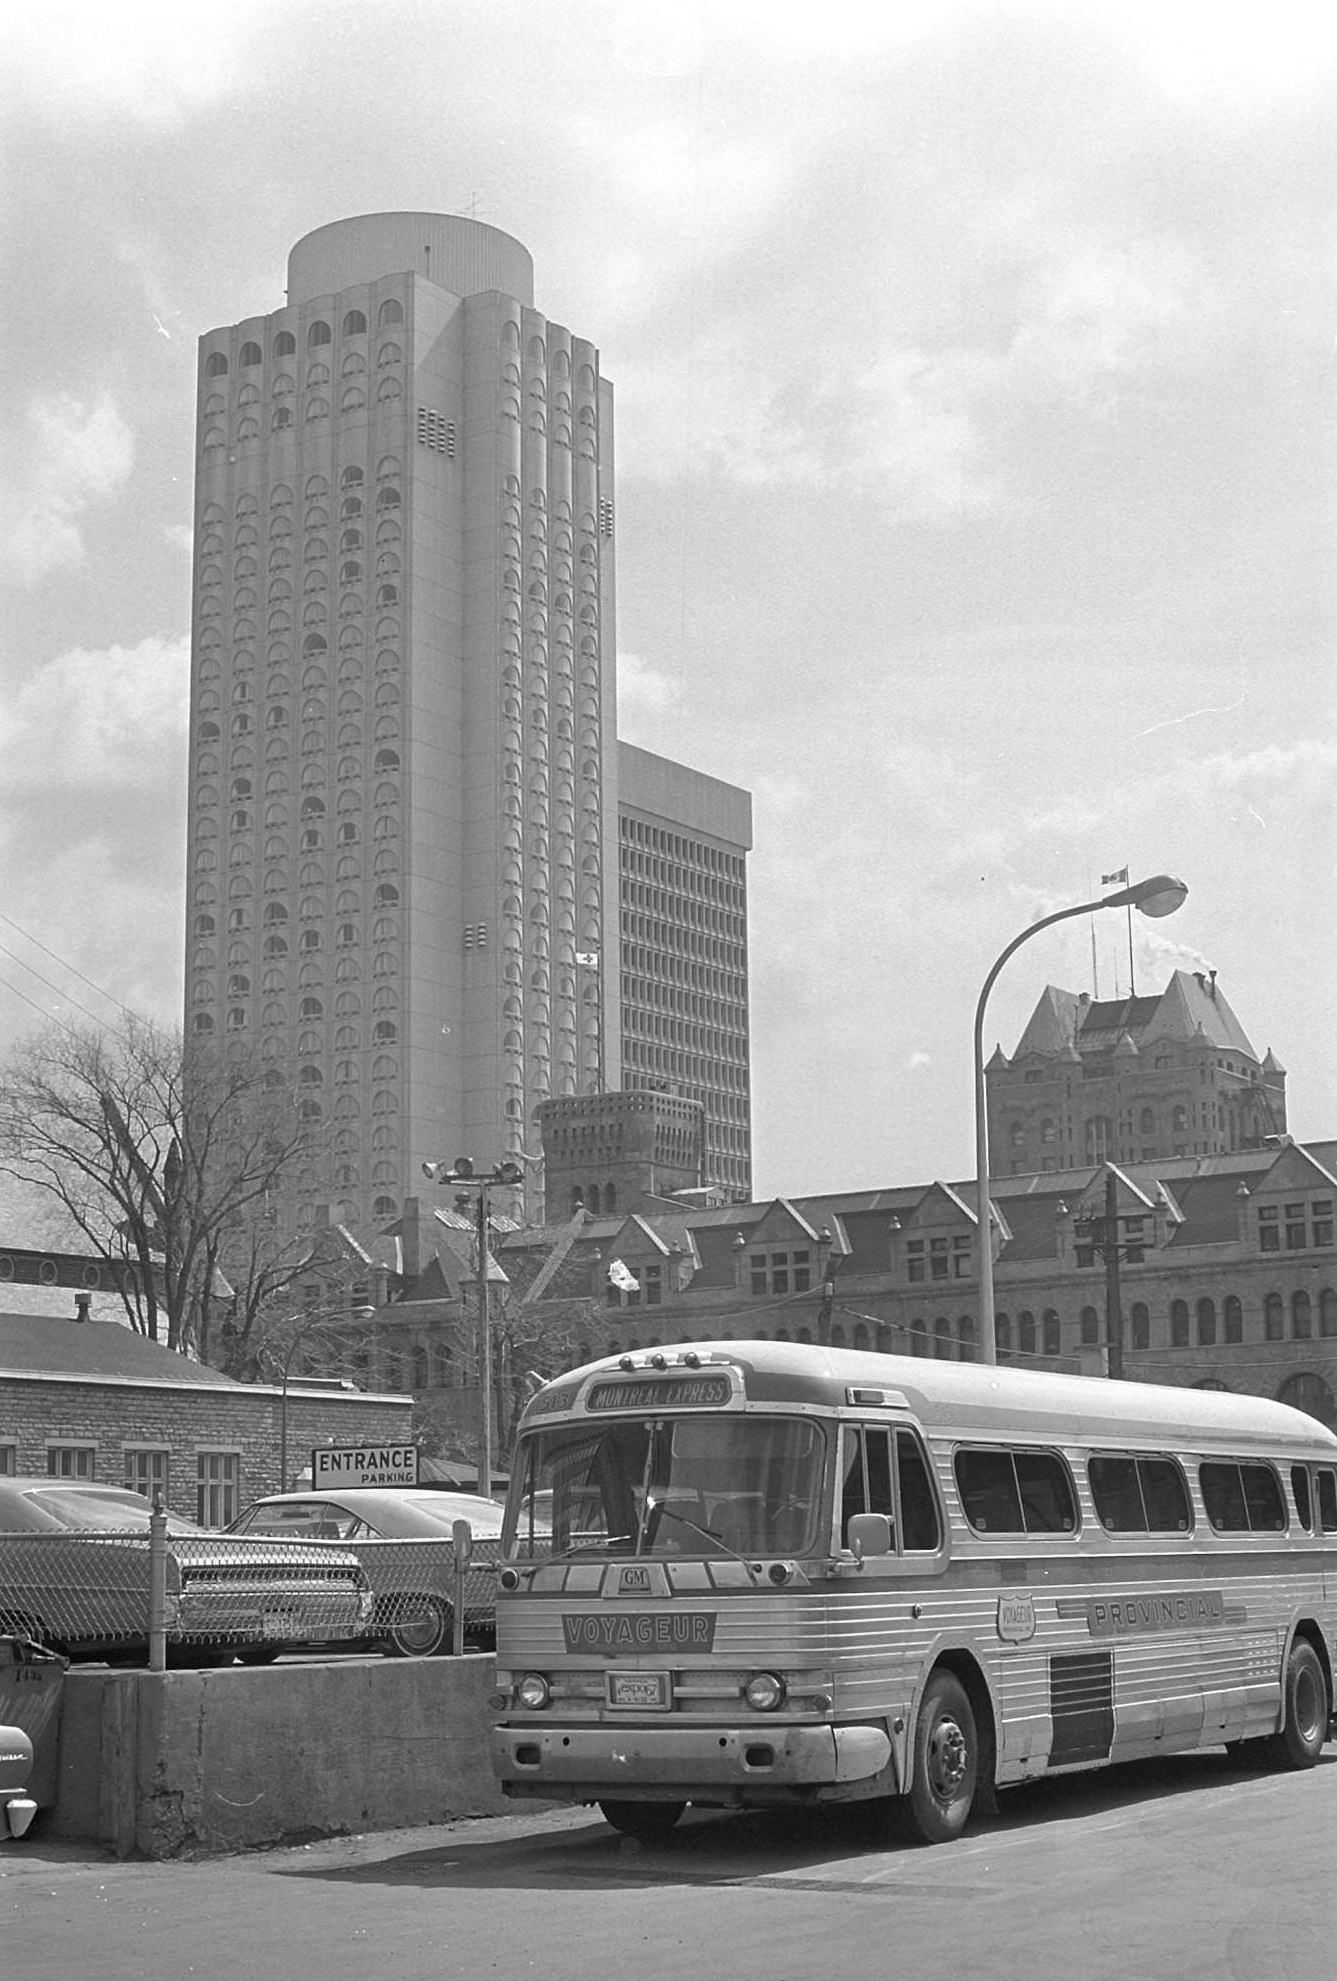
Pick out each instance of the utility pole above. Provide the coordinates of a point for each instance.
(503, 1175)
(1113, 1309)
(1102, 1235)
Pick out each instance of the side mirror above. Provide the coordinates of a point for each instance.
(463, 1536)
(869, 1534)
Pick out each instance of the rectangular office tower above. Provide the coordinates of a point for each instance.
(683, 861)
(403, 811)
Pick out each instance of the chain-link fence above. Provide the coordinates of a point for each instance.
(222, 1596)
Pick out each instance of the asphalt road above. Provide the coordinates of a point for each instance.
(1183, 1870)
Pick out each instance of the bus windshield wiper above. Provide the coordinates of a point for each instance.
(665, 1511)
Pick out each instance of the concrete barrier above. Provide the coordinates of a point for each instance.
(184, 1763)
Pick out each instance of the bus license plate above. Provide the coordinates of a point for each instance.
(645, 1689)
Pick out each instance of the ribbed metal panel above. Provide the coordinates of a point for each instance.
(463, 256)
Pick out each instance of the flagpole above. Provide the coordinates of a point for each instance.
(1132, 980)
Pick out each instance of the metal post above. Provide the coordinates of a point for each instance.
(157, 1584)
(462, 1538)
(1158, 896)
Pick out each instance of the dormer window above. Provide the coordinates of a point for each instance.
(780, 1272)
(1305, 1223)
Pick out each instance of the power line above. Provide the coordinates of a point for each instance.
(64, 964)
(35, 972)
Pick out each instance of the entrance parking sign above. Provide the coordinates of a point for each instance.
(364, 1465)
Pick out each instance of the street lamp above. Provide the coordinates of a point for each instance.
(308, 1321)
(504, 1175)
(1160, 895)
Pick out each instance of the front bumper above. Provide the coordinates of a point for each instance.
(612, 1760)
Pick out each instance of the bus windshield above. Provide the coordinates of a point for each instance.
(690, 1485)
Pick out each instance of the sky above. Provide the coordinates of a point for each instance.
(973, 372)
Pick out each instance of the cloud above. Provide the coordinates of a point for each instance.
(152, 61)
(96, 721)
(76, 455)
(644, 695)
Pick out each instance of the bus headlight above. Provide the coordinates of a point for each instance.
(764, 1691)
(533, 1692)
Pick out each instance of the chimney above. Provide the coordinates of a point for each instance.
(82, 1303)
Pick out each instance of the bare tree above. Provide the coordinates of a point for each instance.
(181, 1167)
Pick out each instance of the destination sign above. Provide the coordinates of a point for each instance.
(695, 1392)
(616, 1635)
(364, 1465)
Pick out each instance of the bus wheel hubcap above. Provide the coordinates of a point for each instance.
(947, 1759)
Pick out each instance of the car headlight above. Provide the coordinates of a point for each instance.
(533, 1691)
(764, 1691)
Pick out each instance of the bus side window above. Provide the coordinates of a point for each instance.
(1115, 1491)
(1046, 1493)
(919, 1508)
(1165, 1495)
(1303, 1506)
(988, 1489)
(1327, 1501)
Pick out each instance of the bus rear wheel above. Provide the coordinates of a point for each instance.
(946, 1762)
(1304, 1723)
(648, 1822)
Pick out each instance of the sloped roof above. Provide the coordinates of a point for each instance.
(38, 1345)
(1052, 1024)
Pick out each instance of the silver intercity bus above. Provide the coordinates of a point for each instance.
(749, 1574)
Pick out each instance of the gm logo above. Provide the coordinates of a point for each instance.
(636, 1582)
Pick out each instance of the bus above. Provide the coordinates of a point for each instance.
(765, 1574)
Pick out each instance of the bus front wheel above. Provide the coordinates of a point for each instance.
(648, 1822)
(1305, 1719)
(946, 1761)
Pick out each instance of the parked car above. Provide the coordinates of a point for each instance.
(74, 1575)
(402, 1535)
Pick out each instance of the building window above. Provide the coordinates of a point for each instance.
(9, 1460)
(1206, 1323)
(71, 1461)
(1295, 1227)
(1090, 1322)
(1179, 1324)
(146, 1472)
(1141, 1324)
(1232, 1315)
(217, 1487)
(1051, 1333)
(1302, 1317)
(1274, 1318)
(780, 1272)
(1269, 1229)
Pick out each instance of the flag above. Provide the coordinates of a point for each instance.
(1107, 880)
(588, 959)
(623, 1278)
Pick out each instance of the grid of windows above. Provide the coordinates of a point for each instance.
(684, 983)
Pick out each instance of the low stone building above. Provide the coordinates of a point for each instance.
(88, 1399)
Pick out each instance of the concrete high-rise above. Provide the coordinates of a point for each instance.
(403, 865)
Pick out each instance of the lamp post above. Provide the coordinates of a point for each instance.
(503, 1175)
(308, 1321)
(1160, 895)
